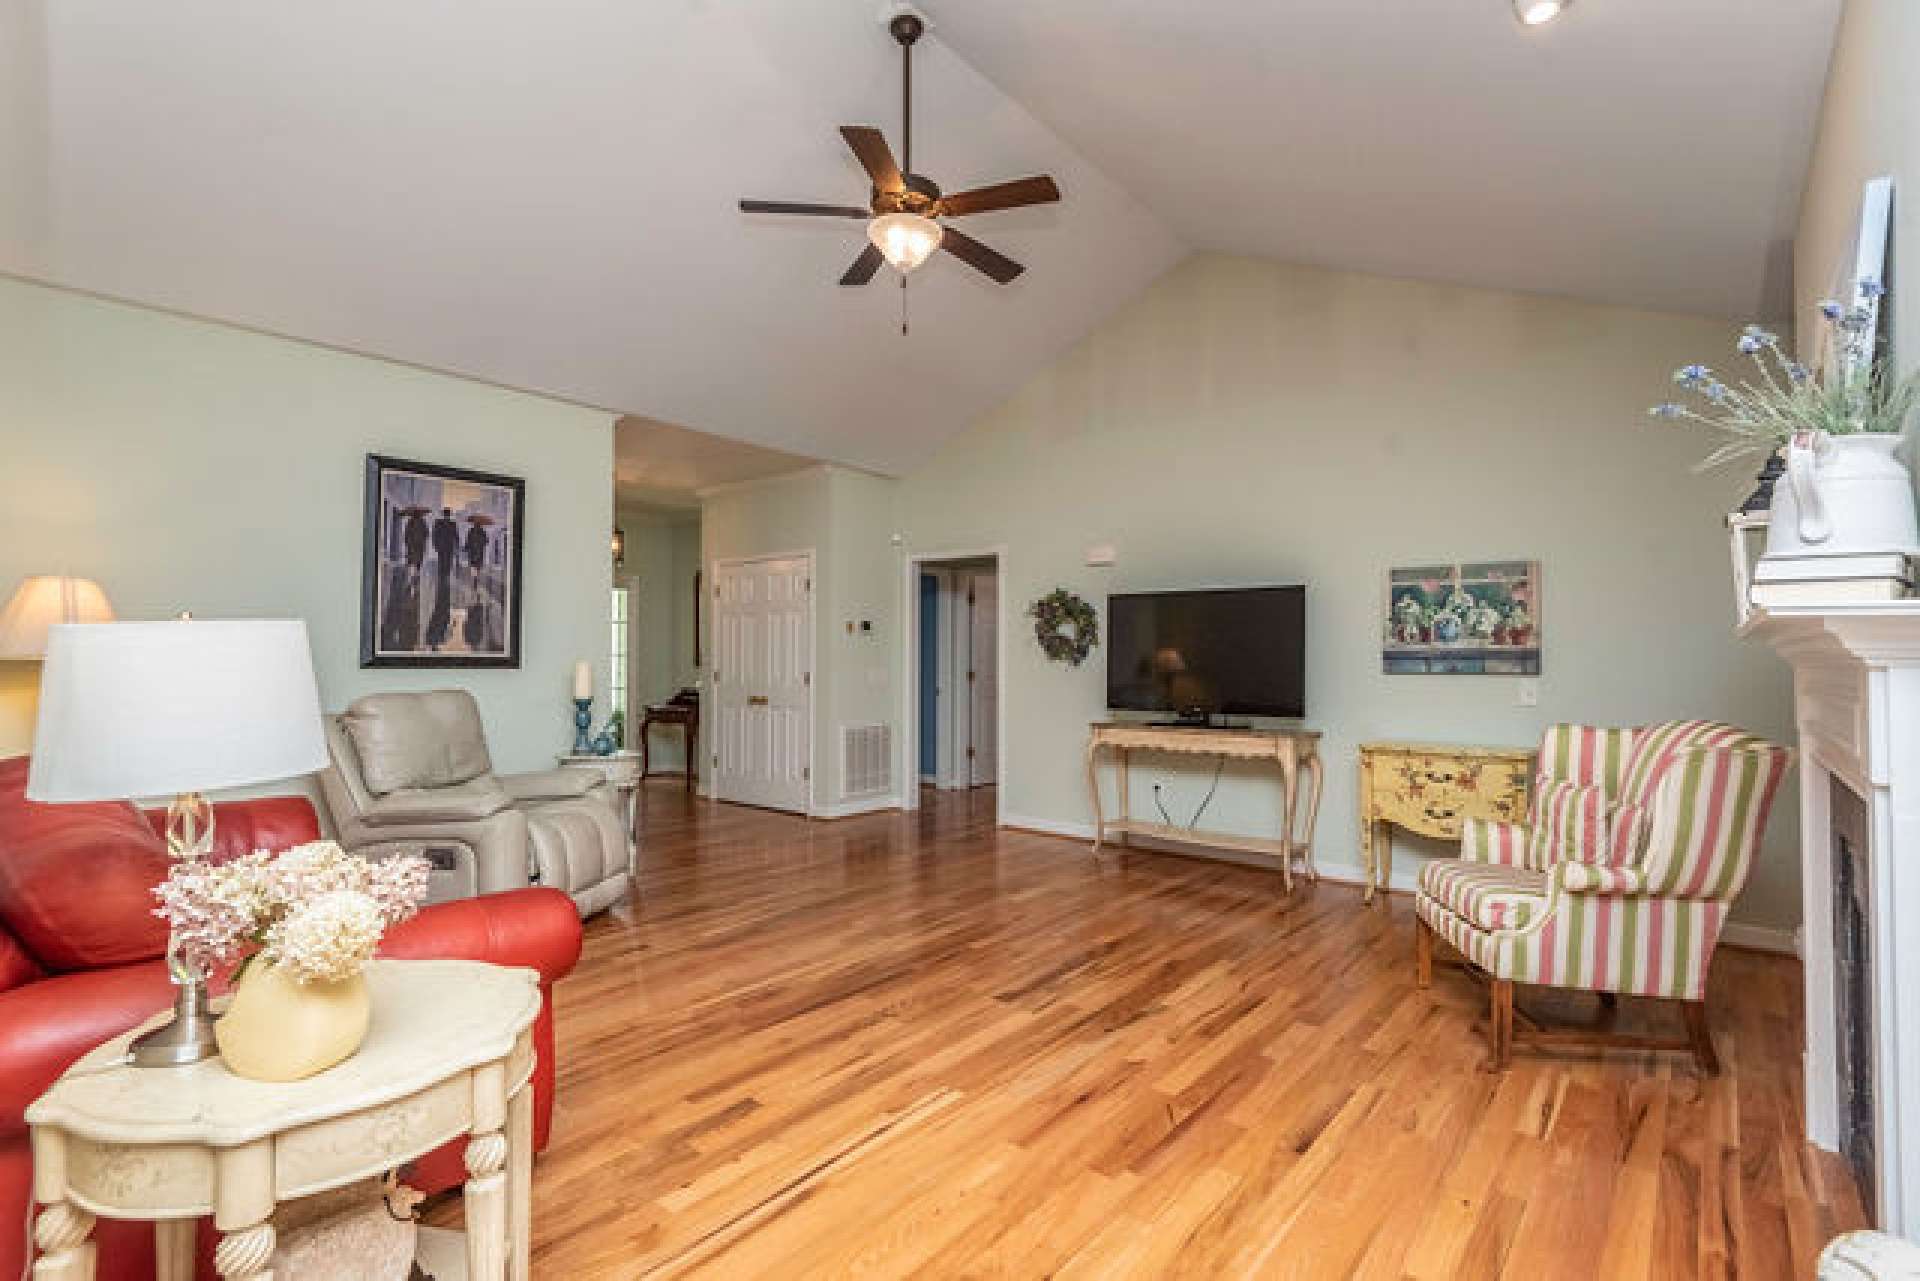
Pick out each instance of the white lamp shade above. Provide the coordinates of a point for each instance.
(42, 601)
(153, 709)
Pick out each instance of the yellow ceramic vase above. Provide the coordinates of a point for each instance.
(280, 1029)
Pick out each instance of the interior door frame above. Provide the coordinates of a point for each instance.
(813, 665)
(943, 668)
(631, 581)
(966, 770)
(907, 767)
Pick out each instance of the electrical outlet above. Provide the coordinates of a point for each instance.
(1527, 694)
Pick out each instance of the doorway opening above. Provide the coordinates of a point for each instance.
(954, 689)
(653, 648)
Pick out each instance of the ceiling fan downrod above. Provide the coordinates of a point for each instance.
(906, 28)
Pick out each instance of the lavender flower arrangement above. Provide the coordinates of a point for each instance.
(1852, 394)
(314, 910)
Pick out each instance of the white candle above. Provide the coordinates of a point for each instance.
(583, 679)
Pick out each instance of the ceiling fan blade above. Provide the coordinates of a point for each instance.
(800, 207)
(863, 267)
(976, 255)
(875, 156)
(1038, 190)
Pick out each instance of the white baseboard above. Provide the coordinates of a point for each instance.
(864, 805)
(1048, 826)
(1761, 938)
(1404, 878)
(1345, 873)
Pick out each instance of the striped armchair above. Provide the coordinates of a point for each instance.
(1638, 842)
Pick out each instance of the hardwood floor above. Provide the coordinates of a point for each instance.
(914, 1045)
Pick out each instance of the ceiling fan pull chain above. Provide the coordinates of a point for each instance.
(903, 306)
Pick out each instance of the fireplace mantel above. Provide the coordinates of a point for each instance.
(1856, 693)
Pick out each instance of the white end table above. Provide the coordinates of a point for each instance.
(623, 772)
(450, 1052)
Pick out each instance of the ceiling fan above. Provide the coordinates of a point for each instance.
(904, 213)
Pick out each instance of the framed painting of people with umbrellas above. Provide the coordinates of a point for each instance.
(440, 576)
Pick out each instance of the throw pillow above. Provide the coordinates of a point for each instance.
(1627, 830)
(1568, 821)
(76, 881)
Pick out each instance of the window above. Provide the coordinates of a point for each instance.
(617, 677)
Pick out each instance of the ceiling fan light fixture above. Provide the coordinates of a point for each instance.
(905, 240)
(1537, 13)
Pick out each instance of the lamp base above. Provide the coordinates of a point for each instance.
(186, 1038)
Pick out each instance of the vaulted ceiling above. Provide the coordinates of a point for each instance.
(542, 195)
(1643, 152)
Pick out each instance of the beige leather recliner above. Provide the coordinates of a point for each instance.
(412, 772)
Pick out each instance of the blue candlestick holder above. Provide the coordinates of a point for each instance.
(582, 720)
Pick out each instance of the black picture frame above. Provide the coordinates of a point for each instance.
(466, 623)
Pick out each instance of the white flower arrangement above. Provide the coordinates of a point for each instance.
(315, 910)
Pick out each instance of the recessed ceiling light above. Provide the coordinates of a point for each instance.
(1535, 13)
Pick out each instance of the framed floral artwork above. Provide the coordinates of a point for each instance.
(1465, 619)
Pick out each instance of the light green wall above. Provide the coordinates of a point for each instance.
(1245, 422)
(862, 585)
(775, 517)
(1869, 127)
(193, 466)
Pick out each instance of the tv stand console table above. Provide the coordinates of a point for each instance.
(1295, 752)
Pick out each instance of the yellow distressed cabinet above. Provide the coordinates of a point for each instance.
(1432, 789)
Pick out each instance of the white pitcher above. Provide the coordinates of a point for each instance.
(1843, 496)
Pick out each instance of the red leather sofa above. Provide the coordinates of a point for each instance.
(80, 961)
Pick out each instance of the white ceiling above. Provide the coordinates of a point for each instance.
(663, 467)
(542, 195)
(1644, 152)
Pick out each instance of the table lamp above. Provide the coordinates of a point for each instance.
(42, 601)
(131, 710)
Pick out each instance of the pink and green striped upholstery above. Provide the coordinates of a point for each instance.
(1644, 922)
(1566, 821)
(1588, 756)
(1574, 755)
(1489, 896)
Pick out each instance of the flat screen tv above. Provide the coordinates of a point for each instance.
(1198, 654)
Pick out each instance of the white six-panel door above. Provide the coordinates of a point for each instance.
(763, 674)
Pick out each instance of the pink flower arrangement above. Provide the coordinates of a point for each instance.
(314, 910)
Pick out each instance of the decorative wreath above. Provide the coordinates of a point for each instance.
(1066, 626)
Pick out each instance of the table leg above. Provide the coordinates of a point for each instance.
(1366, 841)
(1317, 782)
(633, 828)
(173, 1250)
(520, 1183)
(646, 766)
(486, 1206)
(1124, 761)
(693, 753)
(246, 1254)
(1383, 856)
(1093, 786)
(1289, 780)
(63, 1233)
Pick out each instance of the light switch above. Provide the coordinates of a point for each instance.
(1101, 554)
(1528, 693)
